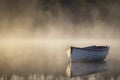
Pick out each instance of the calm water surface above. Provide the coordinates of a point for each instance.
(48, 61)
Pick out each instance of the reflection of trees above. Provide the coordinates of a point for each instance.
(24, 74)
(34, 76)
(49, 73)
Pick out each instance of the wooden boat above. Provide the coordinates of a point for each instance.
(89, 53)
(78, 69)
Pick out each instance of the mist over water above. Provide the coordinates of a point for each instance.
(34, 35)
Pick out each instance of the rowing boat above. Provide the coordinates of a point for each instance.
(89, 53)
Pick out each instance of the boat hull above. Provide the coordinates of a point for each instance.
(81, 54)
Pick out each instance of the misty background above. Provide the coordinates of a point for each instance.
(60, 18)
(35, 33)
(45, 28)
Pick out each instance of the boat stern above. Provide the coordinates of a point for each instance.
(68, 50)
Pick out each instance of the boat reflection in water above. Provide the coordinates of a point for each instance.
(84, 68)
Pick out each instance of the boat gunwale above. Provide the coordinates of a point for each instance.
(104, 49)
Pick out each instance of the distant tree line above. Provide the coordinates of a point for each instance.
(81, 9)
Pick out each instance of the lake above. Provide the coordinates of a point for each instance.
(38, 59)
